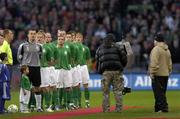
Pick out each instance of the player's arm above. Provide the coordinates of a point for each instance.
(9, 55)
(23, 85)
(40, 51)
(154, 62)
(20, 53)
(55, 56)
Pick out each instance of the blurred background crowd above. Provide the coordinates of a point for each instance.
(137, 20)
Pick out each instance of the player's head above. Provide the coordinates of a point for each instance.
(69, 37)
(158, 38)
(109, 39)
(73, 35)
(24, 69)
(79, 37)
(40, 37)
(48, 37)
(31, 35)
(1, 38)
(61, 36)
(8, 35)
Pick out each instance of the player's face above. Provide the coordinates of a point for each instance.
(61, 41)
(31, 36)
(79, 38)
(73, 35)
(68, 37)
(27, 70)
(48, 37)
(10, 36)
(61, 37)
(61, 34)
(40, 38)
(155, 42)
(1, 40)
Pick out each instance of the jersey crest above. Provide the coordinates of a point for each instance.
(65, 52)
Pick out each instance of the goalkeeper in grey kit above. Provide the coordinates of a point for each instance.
(29, 54)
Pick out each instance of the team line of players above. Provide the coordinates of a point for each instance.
(63, 67)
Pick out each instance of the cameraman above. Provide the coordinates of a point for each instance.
(110, 63)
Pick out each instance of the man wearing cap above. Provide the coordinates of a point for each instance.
(159, 69)
(111, 61)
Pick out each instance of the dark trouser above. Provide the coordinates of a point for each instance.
(159, 85)
(2, 104)
(2, 101)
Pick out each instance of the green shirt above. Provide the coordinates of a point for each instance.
(53, 48)
(62, 58)
(46, 55)
(73, 51)
(25, 83)
(75, 54)
(84, 54)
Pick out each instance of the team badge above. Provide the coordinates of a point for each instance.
(37, 48)
(44, 50)
(65, 52)
(67, 46)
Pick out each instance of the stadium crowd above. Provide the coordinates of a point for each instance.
(137, 19)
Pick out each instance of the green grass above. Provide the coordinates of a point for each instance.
(143, 99)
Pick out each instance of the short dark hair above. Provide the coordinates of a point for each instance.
(110, 37)
(159, 37)
(23, 68)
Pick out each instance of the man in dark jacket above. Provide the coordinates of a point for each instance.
(110, 63)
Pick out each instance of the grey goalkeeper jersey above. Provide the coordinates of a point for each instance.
(29, 54)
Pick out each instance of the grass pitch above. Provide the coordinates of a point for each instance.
(143, 99)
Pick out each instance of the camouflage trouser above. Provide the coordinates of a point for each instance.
(115, 79)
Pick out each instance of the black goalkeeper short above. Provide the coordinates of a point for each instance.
(35, 75)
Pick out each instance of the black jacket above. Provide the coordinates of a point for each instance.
(110, 58)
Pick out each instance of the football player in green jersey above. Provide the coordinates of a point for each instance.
(46, 59)
(62, 59)
(83, 60)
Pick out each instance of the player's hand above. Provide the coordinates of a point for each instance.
(24, 93)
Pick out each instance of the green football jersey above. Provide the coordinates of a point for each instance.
(84, 54)
(53, 48)
(75, 55)
(25, 82)
(62, 58)
(73, 51)
(46, 55)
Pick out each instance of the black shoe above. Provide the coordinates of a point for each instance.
(165, 111)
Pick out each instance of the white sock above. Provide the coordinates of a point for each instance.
(26, 107)
(21, 106)
(38, 101)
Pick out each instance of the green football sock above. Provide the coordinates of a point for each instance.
(68, 97)
(86, 94)
(65, 98)
(55, 98)
(47, 99)
(73, 95)
(61, 93)
(79, 96)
